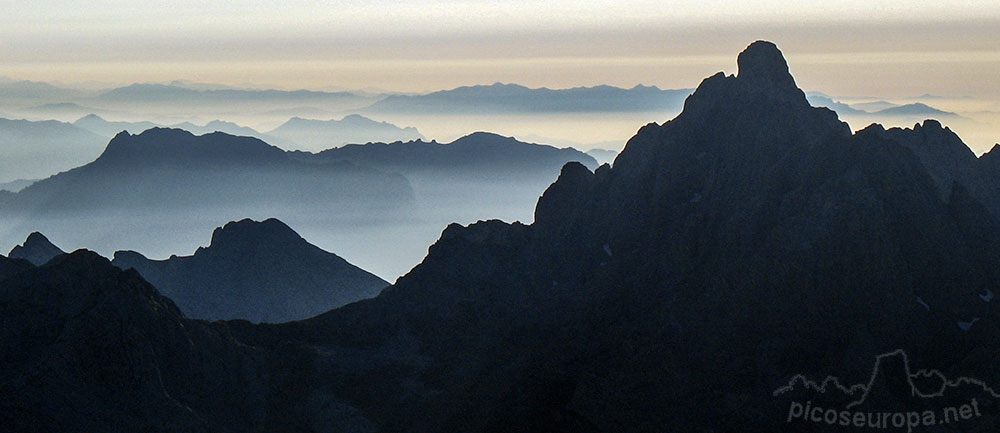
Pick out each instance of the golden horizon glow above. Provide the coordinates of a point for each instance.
(855, 47)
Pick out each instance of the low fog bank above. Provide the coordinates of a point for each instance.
(386, 243)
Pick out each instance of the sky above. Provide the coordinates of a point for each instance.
(848, 47)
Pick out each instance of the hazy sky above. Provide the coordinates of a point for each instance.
(849, 47)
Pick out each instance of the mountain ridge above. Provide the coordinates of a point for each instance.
(515, 98)
(257, 271)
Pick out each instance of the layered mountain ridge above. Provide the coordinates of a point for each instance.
(171, 167)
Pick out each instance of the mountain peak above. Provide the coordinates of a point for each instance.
(36, 249)
(257, 271)
(90, 117)
(244, 233)
(179, 147)
(763, 65)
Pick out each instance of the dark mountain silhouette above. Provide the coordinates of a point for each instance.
(33, 150)
(256, 271)
(751, 237)
(948, 160)
(316, 135)
(513, 98)
(120, 356)
(10, 267)
(36, 249)
(991, 159)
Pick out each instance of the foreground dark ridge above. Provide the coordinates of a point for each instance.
(749, 239)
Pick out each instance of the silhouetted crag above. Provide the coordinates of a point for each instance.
(751, 238)
(36, 249)
(256, 271)
(949, 160)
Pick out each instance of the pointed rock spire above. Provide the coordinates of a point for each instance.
(762, 65)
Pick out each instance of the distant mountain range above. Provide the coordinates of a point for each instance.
(165, 93)
(478, 154)
(98, 125)
(23, 90)
(513, 98)
(16, 185)
(603, 156)
(34, 150)
(915, 109)
(295, 134)
(256, 271)
(317, 135)
(879, 108)
(870, 107)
